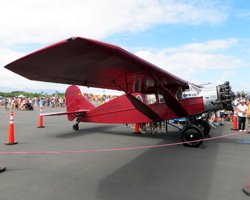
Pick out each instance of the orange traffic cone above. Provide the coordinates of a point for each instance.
(11, 139)
(235, 122)
(40, 124)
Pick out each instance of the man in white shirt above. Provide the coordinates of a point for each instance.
(248, 115)
(242, 110)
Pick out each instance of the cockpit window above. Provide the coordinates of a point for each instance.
(161, 98)
(149, 83)
(151, 98)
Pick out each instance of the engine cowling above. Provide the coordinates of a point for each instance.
(225, 95)
(218, 97)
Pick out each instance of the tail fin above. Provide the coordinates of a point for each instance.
(76, 101)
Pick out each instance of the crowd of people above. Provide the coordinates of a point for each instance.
(219, 117)
(99, 99)
(25, 103)
(242, 108)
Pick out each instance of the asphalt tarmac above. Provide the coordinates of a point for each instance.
(219, 169)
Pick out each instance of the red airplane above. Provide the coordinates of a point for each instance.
(150, 93)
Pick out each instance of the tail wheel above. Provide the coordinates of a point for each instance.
(75, 127)
(205, 127)
(190, 134)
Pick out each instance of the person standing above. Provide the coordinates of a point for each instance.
(248, 116)
(6, 102)
(210, 119)
(242, 113)
(221, 117)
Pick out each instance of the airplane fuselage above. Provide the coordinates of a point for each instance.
(152, 107)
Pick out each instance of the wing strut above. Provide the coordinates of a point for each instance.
(171, 100)
(144, 109)
(140, 106)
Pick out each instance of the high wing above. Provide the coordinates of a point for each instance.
(92, 63)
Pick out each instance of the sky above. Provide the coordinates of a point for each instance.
(197, 40)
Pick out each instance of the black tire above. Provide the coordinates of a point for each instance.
(75, 127)
(190, 133)
(205, 127)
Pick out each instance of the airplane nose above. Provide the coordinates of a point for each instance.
(225, 95)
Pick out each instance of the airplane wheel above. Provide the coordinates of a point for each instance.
(190, 133)
(75, 127)
(205, 127)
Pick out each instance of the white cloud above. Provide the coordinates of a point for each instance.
(49, 20)
(6, 54)
(15, 82)
(189, 60)
(208, 46)
(9, 79)
(245, 14)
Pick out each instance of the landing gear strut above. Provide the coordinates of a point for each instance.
(204, 126)
(201, 123)
(76, 126)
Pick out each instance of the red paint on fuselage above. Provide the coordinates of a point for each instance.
(121, 110)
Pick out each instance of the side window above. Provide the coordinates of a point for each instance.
(161, 99)
(151, 98)
(139, 97)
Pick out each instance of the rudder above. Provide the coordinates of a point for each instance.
(76, 101)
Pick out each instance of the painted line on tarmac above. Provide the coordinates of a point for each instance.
(111, 149)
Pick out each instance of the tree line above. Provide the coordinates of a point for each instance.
(28, 94)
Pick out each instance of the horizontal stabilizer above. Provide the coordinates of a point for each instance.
(65, 113)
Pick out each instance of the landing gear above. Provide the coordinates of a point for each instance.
(204, 126)
(201, 123)
(76, 127)
(190, 134)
